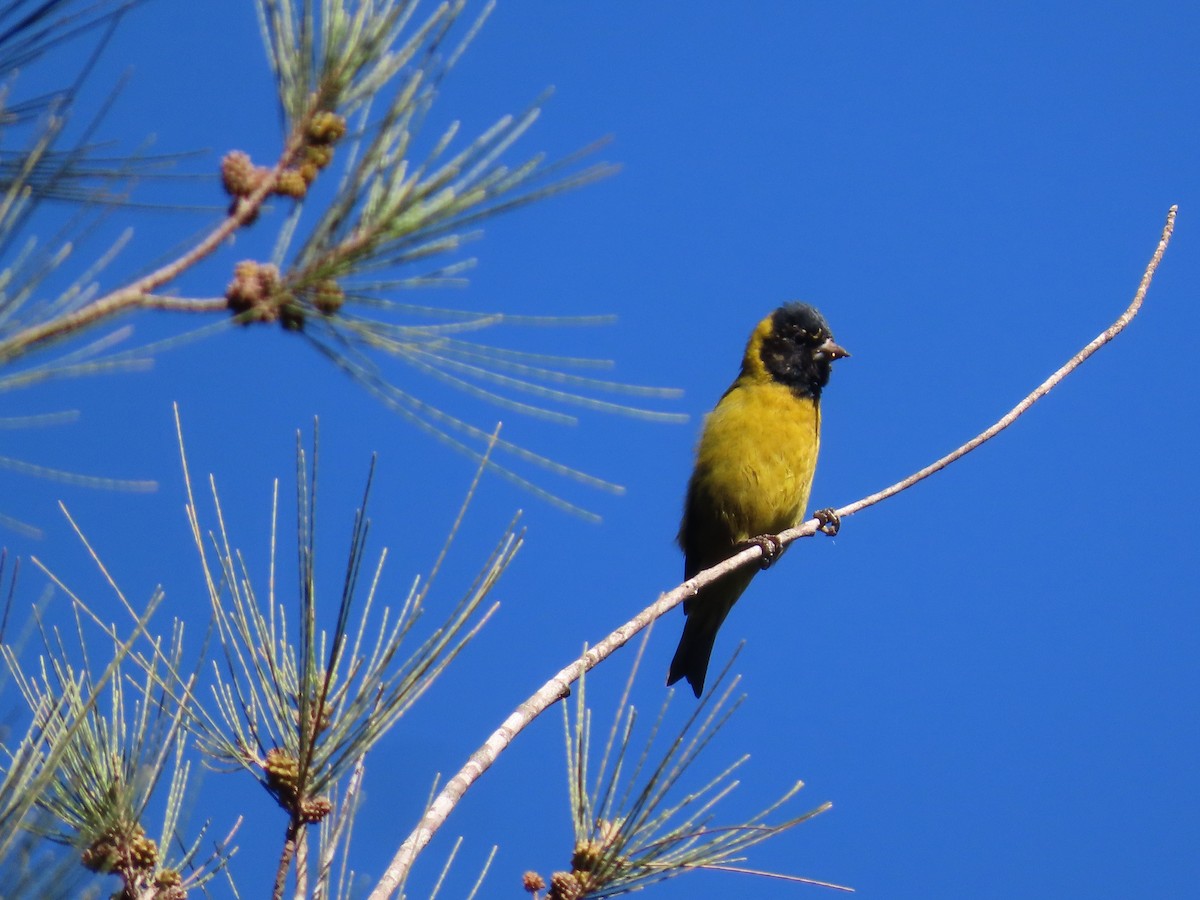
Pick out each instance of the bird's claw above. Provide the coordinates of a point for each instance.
(830, 521)
(770, 545)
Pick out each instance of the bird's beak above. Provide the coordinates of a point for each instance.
(832, 351)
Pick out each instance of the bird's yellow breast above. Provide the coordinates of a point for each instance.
(756, 458)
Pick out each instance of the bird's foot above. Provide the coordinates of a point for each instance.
(771, 547)
(830, 521)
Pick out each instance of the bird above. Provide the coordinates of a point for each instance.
(754, 470)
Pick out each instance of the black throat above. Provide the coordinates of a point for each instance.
(790, 353)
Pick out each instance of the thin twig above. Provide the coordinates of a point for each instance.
(183, 304)
(558, 687)
(295, 832)
(1041, 391)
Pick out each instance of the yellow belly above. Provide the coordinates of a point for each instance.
(756, 459)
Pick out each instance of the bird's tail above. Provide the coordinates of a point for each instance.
(705, 613)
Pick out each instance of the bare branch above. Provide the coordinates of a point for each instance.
(559, 686)
(1041, 391)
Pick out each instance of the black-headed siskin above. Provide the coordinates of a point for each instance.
(754, 468)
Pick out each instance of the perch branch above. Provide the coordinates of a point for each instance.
(559, 686)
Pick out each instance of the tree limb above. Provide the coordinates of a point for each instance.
(559, 686)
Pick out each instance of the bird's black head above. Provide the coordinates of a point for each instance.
(796, 348)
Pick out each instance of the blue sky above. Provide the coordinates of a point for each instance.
(993, 676)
